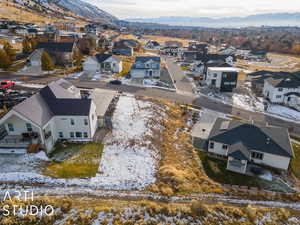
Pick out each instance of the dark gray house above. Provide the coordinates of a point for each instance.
(244, 144)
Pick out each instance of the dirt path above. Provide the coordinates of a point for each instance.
(80, 192)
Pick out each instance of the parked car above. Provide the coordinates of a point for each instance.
(6, 84)
(115, 82)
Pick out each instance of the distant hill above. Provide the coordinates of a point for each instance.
(75, 7)
(275, 19)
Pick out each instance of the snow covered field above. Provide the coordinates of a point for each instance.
(128, 161)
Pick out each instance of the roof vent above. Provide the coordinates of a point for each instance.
(288, 79)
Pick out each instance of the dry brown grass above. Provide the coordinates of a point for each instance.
(180, 170)
(85, 211)
(162, 39)
(9, 11)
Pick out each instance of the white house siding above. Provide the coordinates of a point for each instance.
(19, 125)
(50, 142)
(218, 149)
(273, 93)
(140, 73)
(214, 75)
(63, 124)
(93, 120)
(116, 66)
(276, 161)
(90, 65)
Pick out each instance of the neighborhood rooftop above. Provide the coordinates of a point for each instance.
(273, 140)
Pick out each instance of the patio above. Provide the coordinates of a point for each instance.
(19, 141)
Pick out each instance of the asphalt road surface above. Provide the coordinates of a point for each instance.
(183, 96)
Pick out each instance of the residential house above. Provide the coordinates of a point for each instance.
(132, 43)
(4, 29)
(244, 145)
(121, 48)
(56, 112)
(32, 32)
(258, 78)
(61, 52)
(170, 50)
(223, 79)
(152, 45)
(279, 89)
(199, 47)
(146, 67)
(106, 63)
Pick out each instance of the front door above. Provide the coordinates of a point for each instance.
(150, 73)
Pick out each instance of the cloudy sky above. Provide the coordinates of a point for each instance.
(196, 8)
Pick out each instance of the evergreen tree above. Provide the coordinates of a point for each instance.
(47, 64)
(26, 46)
(9, 51)
(4, 60)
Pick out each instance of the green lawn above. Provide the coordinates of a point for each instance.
(216, 170)
(83, 162)
(185, 68)
(296, 161)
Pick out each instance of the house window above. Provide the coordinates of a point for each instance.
(85, 134)
(29, 127)
(10, 127)
(215, 75)
(72, 122)
(257, 155)
(225, 147)
(280, 89)
(60, 134)
(72, 135)
(78, 134)
(85, 122)
(211, 144)
(289, 99)
(278, 96)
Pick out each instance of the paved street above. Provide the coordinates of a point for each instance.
(182, 84)
(180, 97)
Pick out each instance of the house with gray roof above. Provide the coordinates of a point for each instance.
(105, 63)
(146, 67)
(56, 112)
(283, 88)
(244, 144)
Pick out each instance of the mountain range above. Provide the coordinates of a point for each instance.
(77, 7)
(272, 19)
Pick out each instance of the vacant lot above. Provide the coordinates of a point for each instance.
(296, 161)
(83, 163)
(179, 171)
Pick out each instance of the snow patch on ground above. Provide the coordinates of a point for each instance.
(128, 161)
(75, 75)
(283, 111)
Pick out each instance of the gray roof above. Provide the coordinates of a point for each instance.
(144, 59)
(102, 57)
(239, 151)
(273, 140)
(102, 98)
(35, 109)
(58, 98)
(285, 80)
